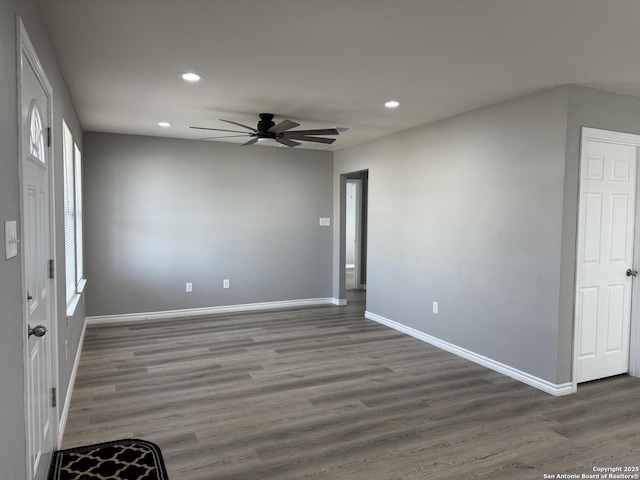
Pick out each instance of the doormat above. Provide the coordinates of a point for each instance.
(131, 459)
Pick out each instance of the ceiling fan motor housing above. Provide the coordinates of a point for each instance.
(266, 122)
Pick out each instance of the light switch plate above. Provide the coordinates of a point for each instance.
(325, 222)
(10, 239)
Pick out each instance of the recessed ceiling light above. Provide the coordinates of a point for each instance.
(191, 77)
(392, 104)
(165, 124)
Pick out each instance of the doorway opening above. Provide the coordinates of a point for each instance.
(355, 209)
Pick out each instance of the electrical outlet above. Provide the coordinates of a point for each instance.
(435, 308)
(325, 222)
(189, 287)
(225, 283)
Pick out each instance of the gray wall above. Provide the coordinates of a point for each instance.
(163, 212)
(468, 212)
(12, 420)
(12, 434)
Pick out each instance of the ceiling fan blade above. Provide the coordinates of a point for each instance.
(220, 130)
(282, 126)
(287, 142)
(306, 138)
(239, 124)
(225, 136)
(303, 133)
(250, 142)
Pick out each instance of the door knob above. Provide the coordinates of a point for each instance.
(631, 273)
(38, 331)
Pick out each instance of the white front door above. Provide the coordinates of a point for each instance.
(605, 253)
(35, 115)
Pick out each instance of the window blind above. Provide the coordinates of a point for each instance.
(78, 214)
(69, 213)
(73, 257)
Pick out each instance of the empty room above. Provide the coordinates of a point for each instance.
(341, 239)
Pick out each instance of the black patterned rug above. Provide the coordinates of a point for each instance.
(120, 460)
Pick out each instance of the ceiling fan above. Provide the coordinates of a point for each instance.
(280, 132)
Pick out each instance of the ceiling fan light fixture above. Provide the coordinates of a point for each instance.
(392, 104)
(191, 77)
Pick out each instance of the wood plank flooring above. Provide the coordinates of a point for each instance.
(322, 393)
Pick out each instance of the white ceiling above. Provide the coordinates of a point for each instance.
(326, 63)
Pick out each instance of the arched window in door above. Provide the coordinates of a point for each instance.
(37, 149)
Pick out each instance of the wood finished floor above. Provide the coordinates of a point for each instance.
(322, 393)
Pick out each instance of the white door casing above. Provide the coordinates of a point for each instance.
(36, 167)
(606, 230)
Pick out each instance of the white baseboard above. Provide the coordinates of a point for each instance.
(67, 401)
(340, 302)
(544, 385)
(193, 312)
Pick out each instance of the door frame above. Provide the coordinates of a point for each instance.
(588, 133)
(26, 51)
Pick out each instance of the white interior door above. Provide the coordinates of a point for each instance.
(357, 270)
(605, 253)
(35, 112)
(353, 229)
